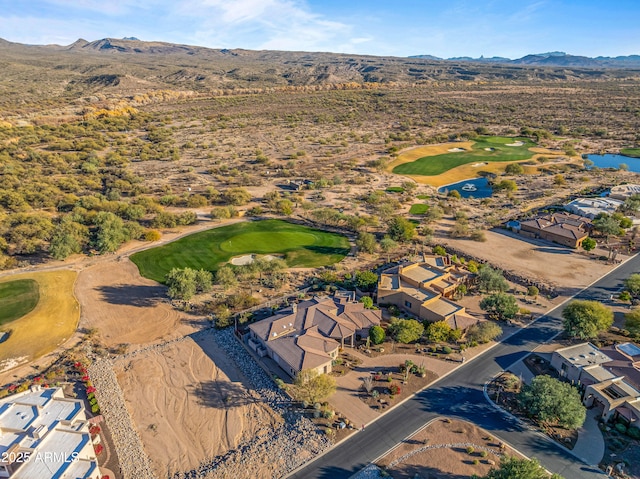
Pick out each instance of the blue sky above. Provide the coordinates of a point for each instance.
(510, 28)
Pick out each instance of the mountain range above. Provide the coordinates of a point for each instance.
(556, 59)
(130, 66)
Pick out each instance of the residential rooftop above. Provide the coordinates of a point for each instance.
(584, 354)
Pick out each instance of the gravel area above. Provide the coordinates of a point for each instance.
(134, 463)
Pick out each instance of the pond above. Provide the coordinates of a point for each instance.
(474, 188)
(614, 161)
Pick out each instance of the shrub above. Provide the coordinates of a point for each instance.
(483, 453)
(316, 414)
(470, 450)
(394, 389)
(95, 409)
(634, 432)
(447, 350)
(621, 428)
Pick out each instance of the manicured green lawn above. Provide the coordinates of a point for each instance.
(418, 209)
(496, 150)
(300, 245)
(632, 152)
(17, 298)
(395, 189)
(423, 197)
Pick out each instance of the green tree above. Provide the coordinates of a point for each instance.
(607, 225)
(220, 213)
(500, 305)
(237, 196)
(483, 332)
(551, 401)
(438, 332)
(226, 277)
(366, 242)
(182, 283)
(439, 250)
(434, 213)
(312, 387)
(491, 280)
(367, 302)
(632, 283)
(285, 207)
(68, 238)
(366, 280)
(110, 232)
(585, 319)
(401, 229)
(405, 330)
(533, 291)
(387, 244)
(632, 321)
(589, 244)
(514, 169)
(204, 281)
(516, 468)
(377, 334)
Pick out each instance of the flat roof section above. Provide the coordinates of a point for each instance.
(420, 273)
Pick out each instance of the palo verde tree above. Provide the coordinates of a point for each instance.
(585, 319)
(312, 387)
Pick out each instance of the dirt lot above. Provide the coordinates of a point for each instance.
(189, 404)
(126, 308)
(561, 267)
(439, 451)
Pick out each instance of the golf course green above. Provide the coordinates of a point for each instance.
(485, 149)
(17, 298)
(301, 246)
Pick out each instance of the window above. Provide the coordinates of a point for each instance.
(563, 367)
(407, 304)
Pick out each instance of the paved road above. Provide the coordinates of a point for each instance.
(460, 395)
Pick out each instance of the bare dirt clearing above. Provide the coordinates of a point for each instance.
(439, 451)
(125, 307)
(553, 264)
(189, 404)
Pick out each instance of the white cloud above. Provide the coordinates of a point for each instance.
(263, 24)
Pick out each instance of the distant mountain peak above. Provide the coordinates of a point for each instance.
(551, 59)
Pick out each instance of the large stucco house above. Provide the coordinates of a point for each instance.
(425, 290)
(610, 378)
(562, 228)
(49, 429)
(309, 334)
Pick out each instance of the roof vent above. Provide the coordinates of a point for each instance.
(275, 334)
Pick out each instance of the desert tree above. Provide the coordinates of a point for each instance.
(586, 319)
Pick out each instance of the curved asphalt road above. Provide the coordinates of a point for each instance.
(460, 395)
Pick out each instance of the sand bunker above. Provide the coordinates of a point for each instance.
(515, 143)
(456, 150)
(482, 163)
(250, 258)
